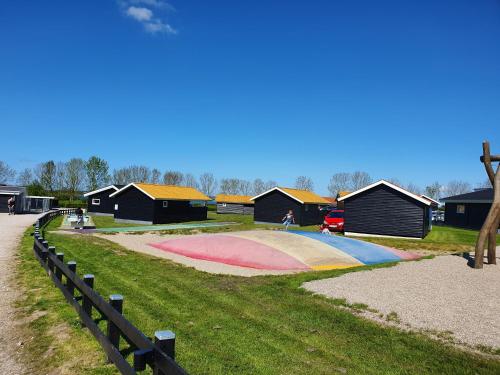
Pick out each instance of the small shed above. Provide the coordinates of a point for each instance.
(6, 192)
(158, 204)
(99, 201)
(468, 210)
(234, 204)
(35, 203)
(385, 209)
(272, 205)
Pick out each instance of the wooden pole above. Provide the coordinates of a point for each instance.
(490, 226)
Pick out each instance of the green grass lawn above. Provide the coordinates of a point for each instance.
(440, 238)
(224, 324)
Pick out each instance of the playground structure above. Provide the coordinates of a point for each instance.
(281, 250)
(490, 227)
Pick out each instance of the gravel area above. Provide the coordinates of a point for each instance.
(11, 229)
(441, 294)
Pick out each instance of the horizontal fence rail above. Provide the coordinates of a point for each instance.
(158, 355)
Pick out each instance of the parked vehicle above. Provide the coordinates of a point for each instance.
(335, 220)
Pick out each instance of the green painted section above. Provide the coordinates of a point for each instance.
(144, 228)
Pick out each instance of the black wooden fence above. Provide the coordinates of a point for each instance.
(159, 355)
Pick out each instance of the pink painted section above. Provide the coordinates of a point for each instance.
(405, 255)
(231, 250)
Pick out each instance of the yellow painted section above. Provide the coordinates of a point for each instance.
(325, 267)
(240, 199)
(173, 192)
(305, 196)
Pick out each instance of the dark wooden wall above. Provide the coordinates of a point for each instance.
(385, 211)
(272, 207)
(134, 205)
(177, 211)
(234, 208)
(311, 215)
(472, 218)
(107, 205)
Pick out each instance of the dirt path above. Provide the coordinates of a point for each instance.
(11, 230)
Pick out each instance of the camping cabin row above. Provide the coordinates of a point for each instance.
(468, 210)
(148, 203)
(24, 203)
(234, 204)
(385, 209)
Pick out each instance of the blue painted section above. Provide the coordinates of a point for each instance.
(365, 252)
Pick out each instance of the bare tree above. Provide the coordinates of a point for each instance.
(304, 183)
(173, 178)
(190, 181)
(122, 176)
(433, 190)
(456, 187)
(6, 173)
(230, 186)
(75, 176)
(155, 176)
(486, 184)
(415, 189)
(258, 186)
(360, 179)
(140, 173)
(60, 176)
(97, 172)
(270, 184)
(25, 177)
(245, 187)
(46, 174)
(208, 184)
(339, 182)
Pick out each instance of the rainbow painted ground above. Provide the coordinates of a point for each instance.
(282, 251)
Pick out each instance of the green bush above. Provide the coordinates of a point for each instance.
(73, 204)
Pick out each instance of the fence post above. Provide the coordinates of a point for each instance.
(52, 250)
(69, 284)
(58, 272)
(113, 333)
(86, 303)
(165, 340)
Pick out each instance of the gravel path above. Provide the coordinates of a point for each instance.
(11, 229)
(440, 294)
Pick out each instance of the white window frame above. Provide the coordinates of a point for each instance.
(165, 204)
(224, 204)
(116, 206)
(96, 201)
(461, 209)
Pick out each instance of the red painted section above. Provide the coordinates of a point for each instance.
(405, 255)
(231, 250)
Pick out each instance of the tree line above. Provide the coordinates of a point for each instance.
(70, 178)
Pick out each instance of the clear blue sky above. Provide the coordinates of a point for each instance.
(270, 89)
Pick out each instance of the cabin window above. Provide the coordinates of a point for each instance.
(199, 204)
(224, 204)
(96, 201)
(306, 207)
(460, 208)
(116, 207)
(165, 204)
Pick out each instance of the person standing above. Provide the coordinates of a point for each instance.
(288, 219)
(11, 204)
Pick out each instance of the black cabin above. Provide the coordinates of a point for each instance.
(159, 204)
(468, 210)
(99, 201)
(18, 192)
(384, 209)
(234, 204)
(272, 205)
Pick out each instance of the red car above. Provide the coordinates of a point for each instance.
(334, 220)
